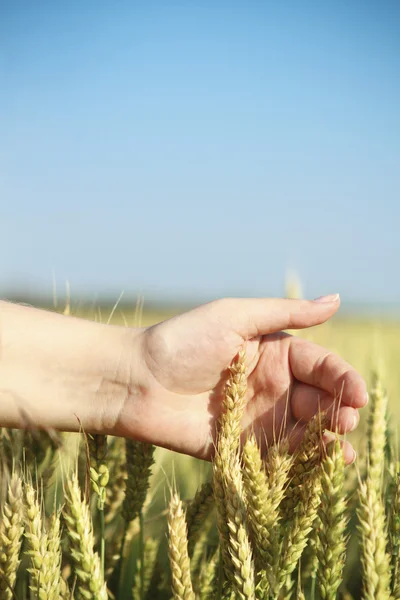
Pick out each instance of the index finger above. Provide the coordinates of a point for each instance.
(315, 365)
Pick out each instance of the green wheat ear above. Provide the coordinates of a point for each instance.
(373, 537)
(197, 512)
(331, 550)
(377, 432)
(139, 460)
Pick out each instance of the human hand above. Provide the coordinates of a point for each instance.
(184, 363)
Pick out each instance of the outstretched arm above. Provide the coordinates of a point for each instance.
(164, 384)
(57, 372)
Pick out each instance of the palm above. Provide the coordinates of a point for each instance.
(288, 378)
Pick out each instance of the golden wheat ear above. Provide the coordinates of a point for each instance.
(261, 508)
(299, 507)
(11, 531)
(78, 520)
(178, 551)
(228, 444)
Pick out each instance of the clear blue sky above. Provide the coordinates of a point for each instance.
(197, 149)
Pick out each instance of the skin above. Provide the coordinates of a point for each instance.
(164, 384)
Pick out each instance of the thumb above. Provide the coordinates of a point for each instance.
(251, 317)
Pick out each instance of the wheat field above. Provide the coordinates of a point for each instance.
(97, 517)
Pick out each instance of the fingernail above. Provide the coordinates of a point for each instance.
(330, 298)
(354, 423)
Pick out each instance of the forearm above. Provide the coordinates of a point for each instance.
(62, 372)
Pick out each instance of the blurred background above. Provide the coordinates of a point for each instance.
(185, 151)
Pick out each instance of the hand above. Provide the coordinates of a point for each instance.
(184, 363)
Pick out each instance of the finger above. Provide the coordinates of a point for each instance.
(314, 365)
(307, 401)
(297, 434)
(260, 316)
(349, 453)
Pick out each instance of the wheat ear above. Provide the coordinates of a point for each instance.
(43, 549)
(331, 551)
(76, 512)
(208, 578)
(37, 544)
(297, 530)
(99, 473)
(242, 579)
(228, 442)
(150, 556)
(116, 460)
(394, 535)
(99, 476)
(375, 561)
(139, 460)
(306, 458)
(178, 551)
(261, 509)
(377, 431)
(278, 463)
(55, 555)
(11, 530)
(200, 552)
(197, 512)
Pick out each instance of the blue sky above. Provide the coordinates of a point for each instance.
(196, 149)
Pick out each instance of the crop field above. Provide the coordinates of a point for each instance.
(97, 517)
